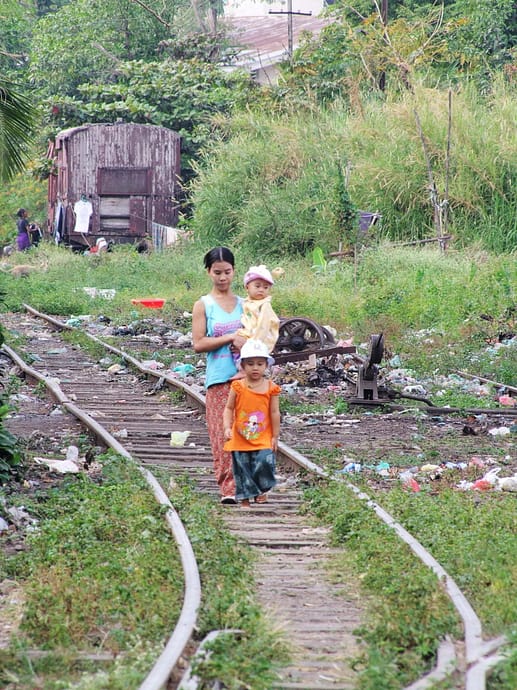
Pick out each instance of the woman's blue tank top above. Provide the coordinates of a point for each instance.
(220, 366)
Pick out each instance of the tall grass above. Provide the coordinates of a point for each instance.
(271, 185)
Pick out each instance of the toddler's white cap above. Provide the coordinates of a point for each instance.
(261, 272)
(256, 348)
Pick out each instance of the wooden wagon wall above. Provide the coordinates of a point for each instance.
(128, 172)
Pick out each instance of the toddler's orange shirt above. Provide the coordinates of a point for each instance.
(251, 428)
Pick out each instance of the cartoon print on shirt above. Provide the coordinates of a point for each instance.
(251, 425)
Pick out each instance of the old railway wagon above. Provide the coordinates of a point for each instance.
(116, 181)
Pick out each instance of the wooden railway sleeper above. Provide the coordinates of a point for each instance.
(480, 654)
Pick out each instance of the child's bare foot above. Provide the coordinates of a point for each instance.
(245, 503)
(261, 498)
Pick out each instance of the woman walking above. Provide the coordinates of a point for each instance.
(215, 320)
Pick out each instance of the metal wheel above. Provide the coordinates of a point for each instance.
(299, 334)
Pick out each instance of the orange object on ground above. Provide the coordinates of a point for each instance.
(482, 485)
(151, 303)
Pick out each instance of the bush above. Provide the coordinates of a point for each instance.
(273, 186)
(10, 457)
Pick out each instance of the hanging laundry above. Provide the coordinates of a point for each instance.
(83, 210)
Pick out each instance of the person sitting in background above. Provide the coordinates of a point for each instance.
(35, 234)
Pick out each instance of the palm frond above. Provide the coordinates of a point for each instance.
(16, 125)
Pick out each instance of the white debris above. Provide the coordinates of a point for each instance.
(178, 438)
(57, 465)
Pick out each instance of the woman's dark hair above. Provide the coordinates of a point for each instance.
(20, 212)
(218, 254)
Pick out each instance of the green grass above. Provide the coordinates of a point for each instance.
(258, 188)
(103, 573)
(409, 611)
(438, 311)
(473, 537)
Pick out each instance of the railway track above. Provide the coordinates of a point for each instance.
(292, 553)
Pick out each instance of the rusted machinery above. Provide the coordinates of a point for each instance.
(299, 338)
(368, 371)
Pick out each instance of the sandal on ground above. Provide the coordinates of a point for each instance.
(261, 498)
(228, 500)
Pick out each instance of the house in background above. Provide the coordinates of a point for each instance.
(264, 36)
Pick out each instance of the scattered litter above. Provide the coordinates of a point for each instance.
(429, 468)
(20, 398)
(178, 438)
(57, 465)
(3, 525)
(499, 431)
(508, 483)
(20, 516)
(481, 485)
(116, 368)
(72, 453)
(351, 468)
(414, 389)
(150, 303)
(100, 292)
(507, 401)
(412, 484)
(475, 461)
(153, 364)
(183, 369)
(383, 468)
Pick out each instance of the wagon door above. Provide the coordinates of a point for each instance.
(124, 195)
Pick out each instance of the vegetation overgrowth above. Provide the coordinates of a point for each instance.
(366, 102)
(411, 116)
(438, 311)
(474, 540)
(272, 185)
(101, 560)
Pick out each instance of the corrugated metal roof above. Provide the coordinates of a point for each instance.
(266, 36)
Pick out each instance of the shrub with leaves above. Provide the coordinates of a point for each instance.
(182, 95)
(10, 457)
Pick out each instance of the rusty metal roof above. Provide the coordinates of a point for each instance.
(267, 35)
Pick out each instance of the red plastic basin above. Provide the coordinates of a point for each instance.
(149, 303)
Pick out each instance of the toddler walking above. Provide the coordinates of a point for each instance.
(251, 421)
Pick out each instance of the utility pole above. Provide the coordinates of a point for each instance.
(289, 14)
(384, 20)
